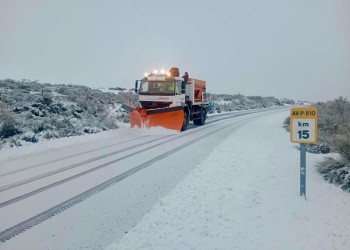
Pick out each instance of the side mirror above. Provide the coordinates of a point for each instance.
(183, 87)
(137, 86)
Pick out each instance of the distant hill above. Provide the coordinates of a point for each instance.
(225, 102)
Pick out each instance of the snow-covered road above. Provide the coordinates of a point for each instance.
(41, 184)
(245, 195)
(231, 184)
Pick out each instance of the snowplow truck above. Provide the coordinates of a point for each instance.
(169, 101)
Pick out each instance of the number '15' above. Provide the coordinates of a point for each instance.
(303, 134)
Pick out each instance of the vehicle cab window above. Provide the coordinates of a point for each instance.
(178, 88)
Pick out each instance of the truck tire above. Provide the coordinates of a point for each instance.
(185, 122)
(201, 120)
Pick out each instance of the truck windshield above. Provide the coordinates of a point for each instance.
(157, 88)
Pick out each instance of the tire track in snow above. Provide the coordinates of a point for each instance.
(220, 117)
(67, 157)
(44, 188)
(25, 225)
(69, 167)
(41, 176)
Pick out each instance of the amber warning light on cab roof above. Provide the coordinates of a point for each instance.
(156, 72)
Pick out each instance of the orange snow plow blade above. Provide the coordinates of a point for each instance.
(169, 118)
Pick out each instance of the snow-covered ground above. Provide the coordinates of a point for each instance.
(28, 149)
(234, 186)
(245, 195)
(96, 222)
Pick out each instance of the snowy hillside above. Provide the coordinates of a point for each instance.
(32, 112)
(225, 102)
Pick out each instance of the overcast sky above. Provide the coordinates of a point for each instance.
(292, 48)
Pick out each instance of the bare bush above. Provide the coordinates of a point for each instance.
(286, 124)
(334, 128)
(8, 124)
(342, 145)
(335, 171)
(127, 97)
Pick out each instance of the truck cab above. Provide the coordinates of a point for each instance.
(160, 91)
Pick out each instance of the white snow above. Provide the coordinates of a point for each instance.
(7, 154)
(107, 90)
(153, 131)
(245, 195)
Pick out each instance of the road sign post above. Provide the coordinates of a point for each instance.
(303, 170)
(303, 130)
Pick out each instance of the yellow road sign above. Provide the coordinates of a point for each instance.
(303, 125)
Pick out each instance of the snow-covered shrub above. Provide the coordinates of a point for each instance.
(286, 124)
(90, 130)
(110, 122)
(287, 101)
(46, 100)
(44, 125)
(14, 143)
(127, 97)
(336, 171)
(63, 90)
(342, 145)
(30, 137)
(240, 102)
(319, 148)
(334, 125)
(8, 124)
(50, 134)
(334, 115)
(122, 115)
(66, 127)
(334, 128)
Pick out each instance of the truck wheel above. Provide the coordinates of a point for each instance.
(201, 120)
(185, 122)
